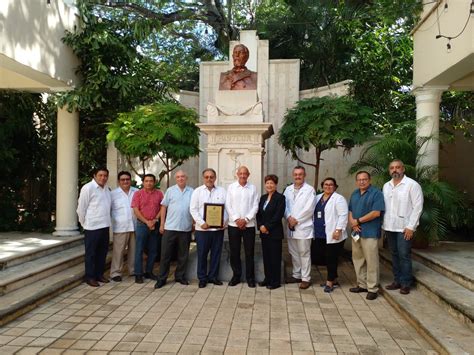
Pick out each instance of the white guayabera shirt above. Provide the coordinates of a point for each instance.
(403, 205)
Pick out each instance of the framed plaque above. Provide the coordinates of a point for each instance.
(214, 215)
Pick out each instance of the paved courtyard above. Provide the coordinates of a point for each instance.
(125, 317)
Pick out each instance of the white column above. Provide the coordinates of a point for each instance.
(67, 173)
(112, 165)
(427, 123)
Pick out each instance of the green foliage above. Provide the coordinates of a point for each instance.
(165, 129)
(324, 123)
(445, 208)
(28, 160)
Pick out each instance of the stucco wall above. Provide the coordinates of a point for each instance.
(31, 46)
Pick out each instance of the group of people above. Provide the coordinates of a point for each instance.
(140, 217)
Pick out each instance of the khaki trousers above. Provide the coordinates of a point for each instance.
(123, 242)
(300, 251)
(365, 256)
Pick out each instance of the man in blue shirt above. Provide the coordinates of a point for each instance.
(176, 227)
(366, 208)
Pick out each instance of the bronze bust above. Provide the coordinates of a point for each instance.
(239, 77)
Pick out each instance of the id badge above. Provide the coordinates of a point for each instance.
(319, 215)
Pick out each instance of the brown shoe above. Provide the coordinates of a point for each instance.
(103, 280)
(393, 286)
(405, 290)
(292, 280)
(92, 283)
(304, 285)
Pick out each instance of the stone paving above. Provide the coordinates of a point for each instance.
(120, 318)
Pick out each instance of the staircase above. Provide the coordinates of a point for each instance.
(31, 277)
(441, 306)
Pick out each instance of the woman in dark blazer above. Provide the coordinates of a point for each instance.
(271, 210)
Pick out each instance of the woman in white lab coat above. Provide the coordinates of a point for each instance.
(330, 221)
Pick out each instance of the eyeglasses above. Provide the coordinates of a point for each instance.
(209, 177)
(362, 180)
(127, 179)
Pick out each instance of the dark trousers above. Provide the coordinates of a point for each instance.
(208, 241)
(145, 238)
(332, 252)
(236, 236)
(401, 258)
(271, 250)
(96, 243)
(170, 241)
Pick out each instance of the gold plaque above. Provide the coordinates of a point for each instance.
(214, 215)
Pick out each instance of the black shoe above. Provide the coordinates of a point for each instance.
(234, 282)
(263, 283)
(160, 283)
(117, 278)
(216, 282)
(393, 286)
(371, 296)
(202, 284)
(357, 289)
(138, 279)
(273, 287)
(150, 275)
(182, 282)
(251, 284)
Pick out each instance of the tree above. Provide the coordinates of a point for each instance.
(445, 207)
(324, 123)
(165, 129)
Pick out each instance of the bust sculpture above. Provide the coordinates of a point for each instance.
(239, 77)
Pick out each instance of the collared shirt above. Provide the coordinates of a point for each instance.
(148, 203)
(403, 205)
(123, 218)
(361, 204)
(202, 195)
(177, 201)
(93, 208)
(242, 202)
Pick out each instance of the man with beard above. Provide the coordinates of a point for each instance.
(403, 206)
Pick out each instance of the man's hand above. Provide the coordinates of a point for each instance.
(151, 224)
(292, 221)
(336, 234)
(408, 234)
(353, 222)
(263, 230)
(162, 229)
(241, 223)
(205, 226)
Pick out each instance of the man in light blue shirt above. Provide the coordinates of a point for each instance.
(176, 226)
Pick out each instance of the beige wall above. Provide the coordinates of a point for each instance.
(433, 64)
(457, 164)
(32, 55)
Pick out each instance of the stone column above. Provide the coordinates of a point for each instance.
(113, 165)
(427, 117)
(67, 173)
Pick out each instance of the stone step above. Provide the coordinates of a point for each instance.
(453, 297)
(37, 248)
(460, 270)
(21, 275)
(445, 333)
(24, 299)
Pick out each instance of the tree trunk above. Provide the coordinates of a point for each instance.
(316, 169)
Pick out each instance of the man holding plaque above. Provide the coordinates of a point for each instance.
(242, 206)
(208, 211)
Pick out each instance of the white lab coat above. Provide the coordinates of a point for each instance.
(335, 216)
(302, 209)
